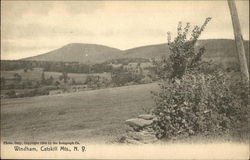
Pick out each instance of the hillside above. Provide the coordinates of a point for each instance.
(214, 48)
(217, 49)
(150, 51)
(88, 116)
(78, 52)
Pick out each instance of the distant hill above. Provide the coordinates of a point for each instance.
(78, 52)
(150, 51)
(221, 51)
(216, 49)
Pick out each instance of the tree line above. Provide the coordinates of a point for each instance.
(69, 67)
(49, 66)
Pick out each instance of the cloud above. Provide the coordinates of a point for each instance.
(86, 7)
(37, 30)
(41, 26)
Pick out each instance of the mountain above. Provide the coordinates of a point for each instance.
(220, 51)
(78, 52)
(150, 51)
(214, 48)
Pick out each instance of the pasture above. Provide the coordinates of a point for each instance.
(89, 116)
(78, 77)
(34, 75)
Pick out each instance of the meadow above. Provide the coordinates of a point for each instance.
(89, 116)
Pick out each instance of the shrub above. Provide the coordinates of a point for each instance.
(92, 80)
(33, 92)
(121, 76)
(199, 104)
(184, 57)
(11, 94)
(197, 97)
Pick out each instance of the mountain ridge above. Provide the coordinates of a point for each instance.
(96, 53)
(79, 52)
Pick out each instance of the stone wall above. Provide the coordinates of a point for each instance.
(141, 130)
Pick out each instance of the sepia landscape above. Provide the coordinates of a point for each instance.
(184, 89)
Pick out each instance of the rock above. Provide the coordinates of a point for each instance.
(121, 139)
(148, 129)
(147, 134)
(144, 137)
(146, 116)
(138, 123)
(135, 136)
(150, 141)
(131, 141)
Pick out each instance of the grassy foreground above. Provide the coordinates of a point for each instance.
(89, 116)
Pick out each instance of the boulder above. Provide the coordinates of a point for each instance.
(143, 137)
(132, 141)
(138, 123)
(146, 116)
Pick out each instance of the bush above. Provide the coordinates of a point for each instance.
(33, 92)
(92, 80)
(11, 94)
(197, 97)
(200, 104)
(184, 57)
(122, 77)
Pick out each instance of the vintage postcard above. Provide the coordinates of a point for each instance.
(125, 79)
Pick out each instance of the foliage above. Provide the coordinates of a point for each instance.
(34, 92)
(51, 66)
(73, 81)
(64, 77)
(43, 80)
(92, 80)
(31, 93)
(199, 104)
(3, 81)
(197, 97)
(69, 67)
(184, 57)
(17, 77)
(48, 81)
(126, 61)
(11, 94)
(121, 76)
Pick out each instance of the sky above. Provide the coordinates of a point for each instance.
(29, 28)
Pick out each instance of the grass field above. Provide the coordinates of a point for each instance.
(34, 75)
(89, 116)
(78, 77)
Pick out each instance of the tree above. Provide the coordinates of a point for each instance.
(57, 83)
(11, 93)
(64, 77)
(43, 80)
(183, 57)
(29, 83)
(50, 81)
(3, 81)
(73, 81)
(17, 77)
